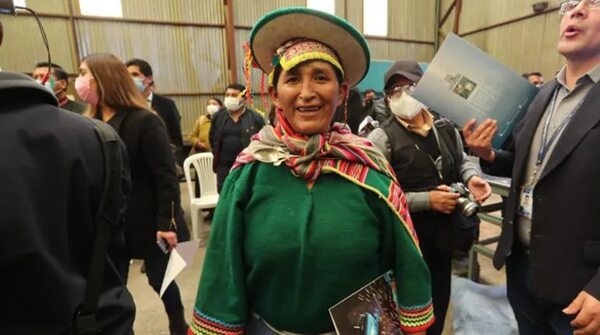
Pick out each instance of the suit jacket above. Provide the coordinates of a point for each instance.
(565, 233)
(155, 197)
(252, 123)
(166, 108)
(52, 176)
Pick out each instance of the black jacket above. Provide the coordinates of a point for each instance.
(380, 111)
(52, 177)
(565, 234)
(251, 121)
(155, 197)
(166, 108)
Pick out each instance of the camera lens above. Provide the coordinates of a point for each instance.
(468, 207)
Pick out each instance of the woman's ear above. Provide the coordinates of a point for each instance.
(274, 96)
(343, 93)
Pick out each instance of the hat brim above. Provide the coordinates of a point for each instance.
(412, 77)
(282, 25)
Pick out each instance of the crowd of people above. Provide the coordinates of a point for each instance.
(312, 204)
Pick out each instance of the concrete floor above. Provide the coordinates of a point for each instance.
(151, 318)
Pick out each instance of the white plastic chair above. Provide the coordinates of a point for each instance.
(208, 196)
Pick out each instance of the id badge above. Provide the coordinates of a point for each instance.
(526, 201)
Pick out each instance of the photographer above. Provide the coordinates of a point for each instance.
(429, 161)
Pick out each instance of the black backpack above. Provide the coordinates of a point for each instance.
(106, 218)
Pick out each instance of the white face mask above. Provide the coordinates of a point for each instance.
(406, 107)
(232, 104)
(211, 109)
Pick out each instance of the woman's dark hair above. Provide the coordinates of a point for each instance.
(278, 69)
(217, 100)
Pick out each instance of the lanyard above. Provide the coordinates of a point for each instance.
(547, 143)
(438, 167)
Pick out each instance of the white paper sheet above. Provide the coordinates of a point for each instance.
(181, 257)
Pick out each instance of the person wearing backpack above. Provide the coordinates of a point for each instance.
(53, 176)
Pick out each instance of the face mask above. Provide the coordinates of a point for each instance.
(48, 85)
(406, 107)
(85, 92)
(232, 104)
(211, 109)
(139, 83)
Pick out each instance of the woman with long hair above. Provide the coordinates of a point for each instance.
(153, 210)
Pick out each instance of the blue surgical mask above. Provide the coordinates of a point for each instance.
(139, 84)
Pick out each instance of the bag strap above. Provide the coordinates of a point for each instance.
(107, 215)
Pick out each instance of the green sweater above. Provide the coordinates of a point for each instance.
(288, 253)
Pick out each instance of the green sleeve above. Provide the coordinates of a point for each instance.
(221, 305)
(413, 283)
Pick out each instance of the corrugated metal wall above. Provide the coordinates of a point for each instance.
(247, 12)
(196, 11)
(527, 45)
(187, 49)
(407, 20)
(23, 46)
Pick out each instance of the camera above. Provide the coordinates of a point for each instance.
(465, 205)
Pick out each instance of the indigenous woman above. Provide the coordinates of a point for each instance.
(310, 213)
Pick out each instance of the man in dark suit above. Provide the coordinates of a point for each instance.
(141, 71)
(550, 237)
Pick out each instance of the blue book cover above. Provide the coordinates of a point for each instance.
(463, 83)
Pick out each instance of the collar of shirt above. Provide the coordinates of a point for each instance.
(593, 75)
(149, 98)
(239, 116)
(63, 101)
(420, 130)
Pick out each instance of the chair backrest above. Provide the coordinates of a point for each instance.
(203, 165)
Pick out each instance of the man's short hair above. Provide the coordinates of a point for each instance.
(57, 71)
(60, 74)
(535, 73)
(369, 90)
(144, 66)
(236, 86)
(46, 64)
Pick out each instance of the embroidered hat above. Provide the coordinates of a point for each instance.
(290, 36)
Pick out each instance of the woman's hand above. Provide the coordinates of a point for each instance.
(480, 188)
(169, 236)
(201, 147)
(442, 200)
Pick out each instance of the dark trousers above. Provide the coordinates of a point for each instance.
(222, 173)
(156, 265)
(534, 316)
(440, 266)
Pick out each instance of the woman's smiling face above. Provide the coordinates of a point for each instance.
(308, 95)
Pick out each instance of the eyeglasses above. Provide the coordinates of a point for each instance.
(567, 7)
(397, 90)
